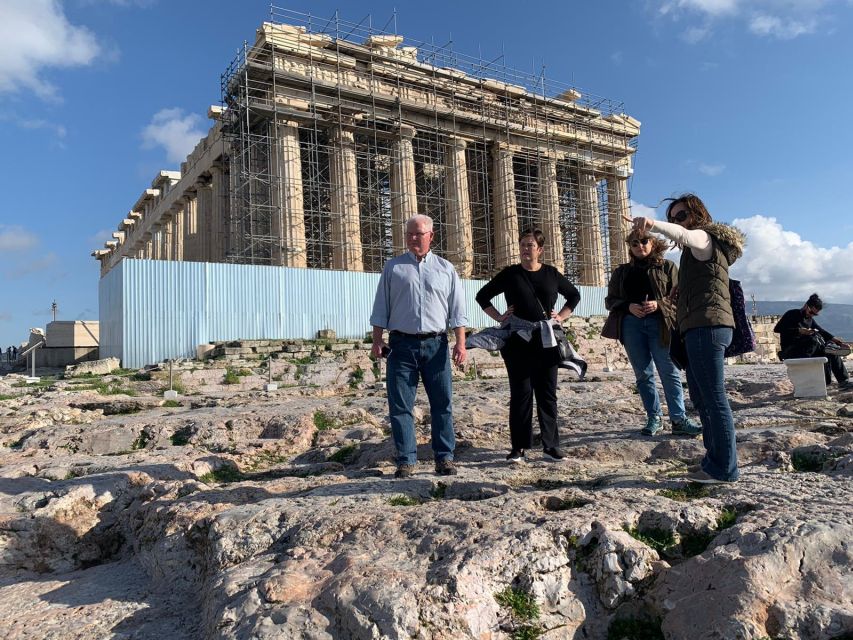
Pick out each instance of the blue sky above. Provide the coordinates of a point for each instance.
(745, 102)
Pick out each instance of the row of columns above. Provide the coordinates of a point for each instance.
(345, 214)
(195, 228)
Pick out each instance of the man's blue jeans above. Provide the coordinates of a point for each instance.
(641, 337)
(412, 358)
(705, 354)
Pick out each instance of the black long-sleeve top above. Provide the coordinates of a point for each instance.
(789, 326)
(547, 282)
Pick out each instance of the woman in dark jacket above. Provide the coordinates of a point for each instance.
(530, 290)
(705, 320)
(637, 293)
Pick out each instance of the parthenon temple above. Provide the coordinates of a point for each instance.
(330, 136)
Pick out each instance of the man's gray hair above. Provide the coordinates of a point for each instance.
(419, 217)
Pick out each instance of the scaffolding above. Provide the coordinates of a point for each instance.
(335, 133)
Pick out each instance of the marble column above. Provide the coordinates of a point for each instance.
(205, 213)
(166, 232)
(191, 229)
(404, 202)
(218, 217)
(156, 243)
(288, 214)
(345, 223)
(505, 214)
(617, 206)
(549, 213)
(179, 218)
(590, 249)
(459, 232)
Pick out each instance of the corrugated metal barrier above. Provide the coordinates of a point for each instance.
(151, 310)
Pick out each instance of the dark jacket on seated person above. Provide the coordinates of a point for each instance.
(795, 345)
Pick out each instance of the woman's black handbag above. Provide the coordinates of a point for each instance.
(677, 349)
(611, 325)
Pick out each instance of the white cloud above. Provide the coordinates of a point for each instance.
(177, 132)
(767, 18)
(711, 169)
(765, 25)
(640, 210)
(35, 35)
(780, 265)
(16, 238)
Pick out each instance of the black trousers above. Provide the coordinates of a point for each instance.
(532, 371)
(811, 347)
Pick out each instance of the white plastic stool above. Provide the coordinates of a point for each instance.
(808, 376)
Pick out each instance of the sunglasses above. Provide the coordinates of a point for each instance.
(643, 241)
(681, 216)
(813, 311)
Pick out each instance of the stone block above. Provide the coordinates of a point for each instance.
(807, 375)
(95, 367)
(327, 334)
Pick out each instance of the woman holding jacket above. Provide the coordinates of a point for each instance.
(705, 320)
(530, 290)
(637, 295)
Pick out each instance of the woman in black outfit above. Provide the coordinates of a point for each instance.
(531, 367)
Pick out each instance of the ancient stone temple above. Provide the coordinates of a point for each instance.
(325, 144)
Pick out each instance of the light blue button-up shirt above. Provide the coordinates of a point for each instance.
(419, 297)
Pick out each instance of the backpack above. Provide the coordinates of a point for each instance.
(743, 337)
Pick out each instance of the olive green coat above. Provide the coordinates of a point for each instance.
(703, 286)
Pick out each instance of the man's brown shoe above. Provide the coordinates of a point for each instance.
(446, 468)
(404, 471)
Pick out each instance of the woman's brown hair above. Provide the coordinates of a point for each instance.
(537, 234)
(659, 247)
(694, 205)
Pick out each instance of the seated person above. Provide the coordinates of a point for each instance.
(802, 337)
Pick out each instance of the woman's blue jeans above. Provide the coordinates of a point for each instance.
(641, 337)
(705, 354)
(412, 359)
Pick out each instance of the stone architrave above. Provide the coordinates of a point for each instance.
(617, 206)
(549, 213)
(590, 250)
(288, 214)
(504, 206)
(460, 243)
(205, 214)
(404, 202)
(343, 177)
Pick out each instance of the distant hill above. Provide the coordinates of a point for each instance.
(835, 318)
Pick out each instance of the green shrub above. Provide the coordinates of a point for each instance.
(322, 421)
(182, 436)
(403, 501)
(356, 377)
(222, 475)
(523, 610)
(141, 376)
(727, 518)
(690, 491)
(438, 491)
(141, 440)
(657, 539)
(172, 404)
(344, 455)
(6, 397)
(230, 377)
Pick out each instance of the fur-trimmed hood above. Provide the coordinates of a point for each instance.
(731, 239)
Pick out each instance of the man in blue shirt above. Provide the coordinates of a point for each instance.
(418, 298)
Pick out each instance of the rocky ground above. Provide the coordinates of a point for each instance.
(236, 513)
